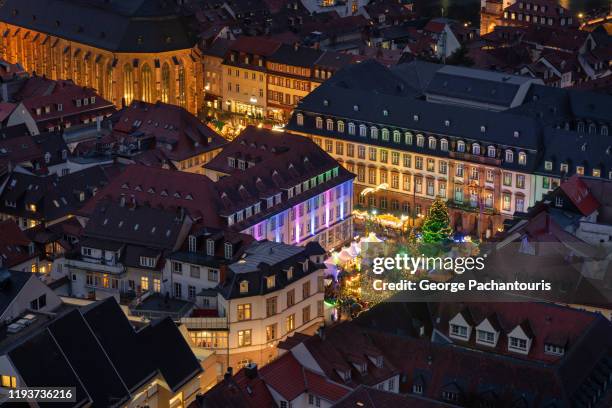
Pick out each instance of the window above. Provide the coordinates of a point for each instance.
(363, 131)
(385, 134)
(459, 170)
(329, 124)
(351, 128)
(476, 149)
(450, 396)
(178, 290)
(319, 122)
(9, 381)
(580, 170)
(554, 350)
(507, 179)
(228, 249)
(192, 243)
(517, 344)
(417, 389)
(395, 158)
(271, 306)
(432, 143)
(407, 160)
(519, 204)
(444, 145)
(564, 167)
(270, 281)
(418, 163)
(306, 290)
(194, 271)
(374, 132)
(191, 292)
(291, 298)
(290, 323)
(271, 331)
(306, 314)
(177, 268)
(340, 126)
(506, 202)
(213, 275)
(460, 146)
(300, 119)
(244, 311)
(491, 151)
(483, 336)
(420, 140)
(459, 331)
(244, 338)
(244, 287)
(509, 156)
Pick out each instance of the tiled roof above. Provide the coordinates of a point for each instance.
(368, 397)
(176, 131)
(290, 379)
(273, 161)
(137, 25)
(14, 245)
(580, 195)
(255, 46)
(545, 322)
(167, 189)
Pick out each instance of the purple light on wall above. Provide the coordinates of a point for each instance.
(297, 223)
(327, 200)
(342, 202)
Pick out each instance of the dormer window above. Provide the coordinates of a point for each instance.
(228, 250)
(522, 158)
(554, 349)
(460, 146)
(290, 273)
(300, 119)
(432, 143)
(491, 151)
(210, 247)
(485, 337)
(509, 156)
(192, 243)
(231, 162)
(147, 262)
(444, 145)
(244, 287)
(518, 344)
(344, 374)
(319, 122)
(476, 149)
(548, 165)
(483, 129)
(420, 140)
(270, 281)
(459, 331)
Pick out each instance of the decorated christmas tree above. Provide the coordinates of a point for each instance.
(413, 242)
(436, 227)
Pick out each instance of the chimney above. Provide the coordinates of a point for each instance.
(251, 371)
(228, 374)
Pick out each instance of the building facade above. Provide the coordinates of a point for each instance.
(150, 55)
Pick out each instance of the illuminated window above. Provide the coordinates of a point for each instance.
(9, 381)
(244, 338)
(165, 83)
(244, 311)
(147, 83)
(128, 83)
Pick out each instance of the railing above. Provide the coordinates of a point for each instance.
(492, 161)
(204, 322)
(94, 267)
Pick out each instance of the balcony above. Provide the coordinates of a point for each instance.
(491, 161)
(205, 323)
(116, 269)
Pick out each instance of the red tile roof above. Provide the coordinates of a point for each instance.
(180, 134)
(368, 397)
(547, 322)
(39, 93)
(160, 188)
(255, 45)
(13, 245)
(290, 379)
(580, 195)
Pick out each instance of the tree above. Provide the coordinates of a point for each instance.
(436, 227)
(460, 57)
(413, 243)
